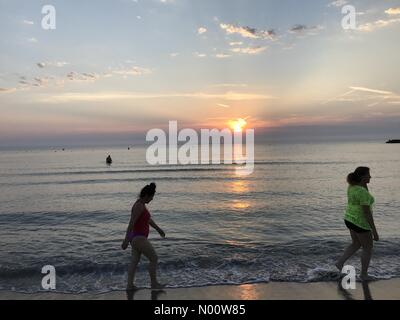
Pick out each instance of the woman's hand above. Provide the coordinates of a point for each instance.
(125, 244)
(162, 233)
(375, 236)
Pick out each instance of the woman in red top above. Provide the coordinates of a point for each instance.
(136, 235)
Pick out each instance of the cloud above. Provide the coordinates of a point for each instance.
(337, 3)
(224, 85)
(7, 90)
(302, 29)
(109, 96)
(372, 26)
(237, 43)
(249, 50)
(223, 105)
(200, 55)
(41, 81)
(58, 64)
(85, 76)
(201, 30)
(393, 11)
(132, 71)
(370, 97)
(371, 90)
(174, 54)
(248, 32)
(222, 55)
(28, 22)
(32, 40)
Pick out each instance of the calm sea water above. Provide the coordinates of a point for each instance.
(282, 223)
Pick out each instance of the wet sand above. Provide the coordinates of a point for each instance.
(376, 290)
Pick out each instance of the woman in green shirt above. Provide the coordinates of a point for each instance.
(359, 219)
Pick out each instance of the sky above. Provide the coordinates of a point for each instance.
(113, 69)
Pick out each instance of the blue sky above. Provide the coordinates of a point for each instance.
(124, 67)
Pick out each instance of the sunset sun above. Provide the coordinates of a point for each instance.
(237, 125)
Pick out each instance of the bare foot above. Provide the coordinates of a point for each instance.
(366, 277)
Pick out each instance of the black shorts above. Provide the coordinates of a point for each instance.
(355, 228)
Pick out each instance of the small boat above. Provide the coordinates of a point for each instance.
(393, 141)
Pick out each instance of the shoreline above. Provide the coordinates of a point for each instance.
(375, 290)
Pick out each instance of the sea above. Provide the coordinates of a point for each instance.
(284, 222)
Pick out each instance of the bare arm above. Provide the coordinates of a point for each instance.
(155, 226)
(370, 219)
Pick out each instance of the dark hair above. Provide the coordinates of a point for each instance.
(148, 190)
(356, 176)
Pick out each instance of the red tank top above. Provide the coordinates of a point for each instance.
(141, 226)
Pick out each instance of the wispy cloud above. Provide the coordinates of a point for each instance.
(248, 32)
(249, 50)
(302, 29)
(337, 3)
(201, 30)
(393, 11)
(222, 55)
(200, 55)
(223, 105)
(371, 97)
(378, 24)
(32, 40)
(133, 71)
(109, 96)
(28, 22)
(231, 85)
(85, 76)
(7, 90)
(58, 64)
(371, 90)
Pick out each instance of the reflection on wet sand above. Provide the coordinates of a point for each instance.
(248, 292)
(347, 295)
(155, 294)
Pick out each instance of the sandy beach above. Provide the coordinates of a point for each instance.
(376, 290)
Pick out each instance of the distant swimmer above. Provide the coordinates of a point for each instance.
(137, 234)
(359, 220)
(109, 160)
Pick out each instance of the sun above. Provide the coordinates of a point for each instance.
(237, 125)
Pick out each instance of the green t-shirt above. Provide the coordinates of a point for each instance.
(357, 197)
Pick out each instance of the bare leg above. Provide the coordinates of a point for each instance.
(350, 250)
(367, 244)
(132, 268)
(144, 246)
